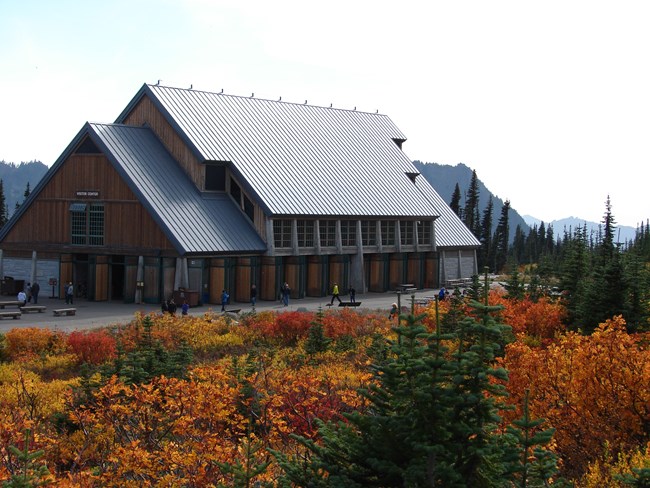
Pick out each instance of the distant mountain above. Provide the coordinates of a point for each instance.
(443, 178)
(15, 178)
(623, 232)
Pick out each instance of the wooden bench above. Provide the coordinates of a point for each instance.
(405, 287)
(349, 304)
(33, 308)
(235, 310)
(13, 315)
(64, 311)
(10, 303)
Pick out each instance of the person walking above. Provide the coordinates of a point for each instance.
(335, 293)
(286, 292)
(22, 298)
(69, 293)
(394, 312)
(28, 291)
(353, 294)
(164, 308)
(224, 300)
(36, 288)
(253, 295)
(442, 294)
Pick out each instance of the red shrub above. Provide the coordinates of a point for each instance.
(291, 326)
(93, 346)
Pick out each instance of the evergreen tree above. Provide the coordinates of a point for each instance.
(519, 247)
(501, 240)
(532, 465)
(573, 272)
(150, 359)
(3, 205)
(316, 340)
(605, 290)
(514, 284)
(471, 211)
(27, 191)
(455, 201)
(432, 419)
(486, 235)
(31, 473)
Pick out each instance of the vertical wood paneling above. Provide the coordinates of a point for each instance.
(292, 270)
(243, 279)
(315, 275)
(127, 224)
(268, 289)
(413, 269)
(396, 270)
(146, 113)
(217, 279)
(101, 279)
(431, 270)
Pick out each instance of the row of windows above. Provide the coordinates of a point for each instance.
(87, 228)
(327, 229)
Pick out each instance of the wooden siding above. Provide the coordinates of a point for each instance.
(145, 112)
(128, 227)
(316, 272)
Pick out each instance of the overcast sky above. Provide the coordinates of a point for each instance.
(548, 101)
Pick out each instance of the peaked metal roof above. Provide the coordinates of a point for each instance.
(451, 232)
(196, 223)
(299, 159)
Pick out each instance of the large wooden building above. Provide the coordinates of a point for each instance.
(197, 191)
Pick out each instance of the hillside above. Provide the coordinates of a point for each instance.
(444, 177)
(15, 178)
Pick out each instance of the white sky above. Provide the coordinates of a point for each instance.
(548, 101)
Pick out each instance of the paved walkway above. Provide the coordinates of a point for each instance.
(97, 314)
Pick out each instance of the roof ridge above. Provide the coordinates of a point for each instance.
(252, 97)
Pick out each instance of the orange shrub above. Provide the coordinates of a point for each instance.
(592, 389)
(92, 346)
(542, 319)
(352, 323)
(33, 341)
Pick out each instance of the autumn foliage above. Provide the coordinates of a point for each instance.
(252, 387)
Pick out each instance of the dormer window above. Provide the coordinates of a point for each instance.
(412, 176)
(215, 177)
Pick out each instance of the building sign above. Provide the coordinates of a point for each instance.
(88, 193)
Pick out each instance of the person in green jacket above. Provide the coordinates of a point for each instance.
(335, 293)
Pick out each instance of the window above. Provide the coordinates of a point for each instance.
(305, 233)
(87, 224)
(424, 232)
(348, 232)
(369, 232)
(406, 232)
(215, 177)
(388, 232)
(249, 208)
(235, 191)
(328, 233)
(282, 233)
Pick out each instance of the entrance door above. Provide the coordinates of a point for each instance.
(117, 281)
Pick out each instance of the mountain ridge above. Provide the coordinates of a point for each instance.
(624, 233)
